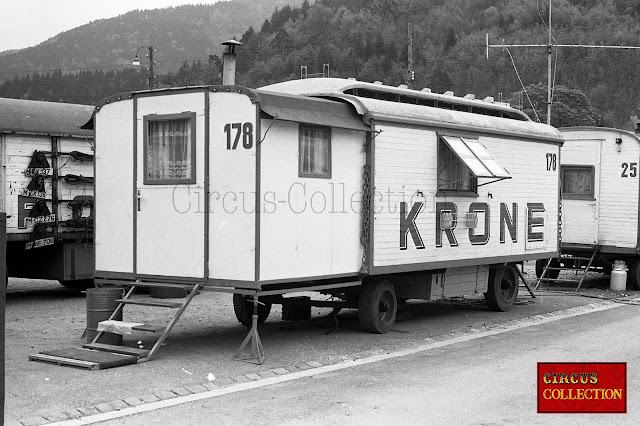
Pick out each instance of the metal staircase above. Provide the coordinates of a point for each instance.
(96, 355)
(145, 354)
(580, 264)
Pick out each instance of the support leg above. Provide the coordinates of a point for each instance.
(525, 283)
(252, 341)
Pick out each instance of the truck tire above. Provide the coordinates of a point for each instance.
(502, 291)
(633, 276)
(541, 263)
(377, 306)
(243, 308)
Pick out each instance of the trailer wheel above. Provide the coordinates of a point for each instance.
(377, 307)
(634, 273)
(541, 263)
(503, 288)
(243, 308)
(78, 284)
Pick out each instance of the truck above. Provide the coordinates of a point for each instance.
(600, 195)
(46, 190)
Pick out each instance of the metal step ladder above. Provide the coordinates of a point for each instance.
(145, 354)
(572, 263)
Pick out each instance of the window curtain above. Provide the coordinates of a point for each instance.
(169, 149)
(577, 182)
(453, 174)
(314, 151)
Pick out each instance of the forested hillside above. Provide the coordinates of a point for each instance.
(177, 33)
(368, 40)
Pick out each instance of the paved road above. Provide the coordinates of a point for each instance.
(42, 315)
(483, 380)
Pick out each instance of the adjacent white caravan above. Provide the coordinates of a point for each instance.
(46, 189)
(371, 193)
(600, 200)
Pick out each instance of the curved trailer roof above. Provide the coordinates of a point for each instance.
(44, 118)
(592, 129)
(414, 107)
(335, 102)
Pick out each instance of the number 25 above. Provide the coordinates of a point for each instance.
(629, 170)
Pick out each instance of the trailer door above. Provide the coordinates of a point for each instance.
(169, 218)
(580, 194)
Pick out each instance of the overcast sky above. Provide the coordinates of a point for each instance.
(25, 23)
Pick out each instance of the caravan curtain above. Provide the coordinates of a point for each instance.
(169, 150)
(315, 152)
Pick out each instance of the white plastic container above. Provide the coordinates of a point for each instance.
(618, 276)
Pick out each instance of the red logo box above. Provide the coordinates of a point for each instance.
(582, 387)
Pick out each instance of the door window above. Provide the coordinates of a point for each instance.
(577, 182)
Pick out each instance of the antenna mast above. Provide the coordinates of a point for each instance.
(549, 48)
(550, 45)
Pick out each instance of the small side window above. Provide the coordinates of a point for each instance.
(314, 152)
(453, 173)
(169, 145)
(577, 182)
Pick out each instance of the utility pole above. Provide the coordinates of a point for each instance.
(549, 89)
(550, 45)
(152, 77)
(410, 72)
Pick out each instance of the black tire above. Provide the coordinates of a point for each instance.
(243, 308)
(633, 276)
(78, 284)
(502, 292)
(540, 265)
(377, 307)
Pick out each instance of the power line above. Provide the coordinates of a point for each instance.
(550, 47)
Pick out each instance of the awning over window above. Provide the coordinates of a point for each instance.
(311, 111)
(476, 157)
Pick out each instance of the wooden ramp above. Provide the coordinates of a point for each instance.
(84, 358)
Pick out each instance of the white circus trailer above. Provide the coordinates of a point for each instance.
(600, 199)
(373, 194)
(46, 189)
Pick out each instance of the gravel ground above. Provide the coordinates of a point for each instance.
(42, 315)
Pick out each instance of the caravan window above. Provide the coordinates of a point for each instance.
(577, 182)
(169, 145)
(314, 151)
(453, 173)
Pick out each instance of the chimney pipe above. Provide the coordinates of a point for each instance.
(229, 62)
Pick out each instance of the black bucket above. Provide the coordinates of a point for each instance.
(101, 302)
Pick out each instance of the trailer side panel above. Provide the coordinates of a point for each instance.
(505, 220)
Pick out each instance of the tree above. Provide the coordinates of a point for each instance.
(569, 107)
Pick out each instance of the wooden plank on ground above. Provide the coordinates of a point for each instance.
(85, 358)
(64, 361)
